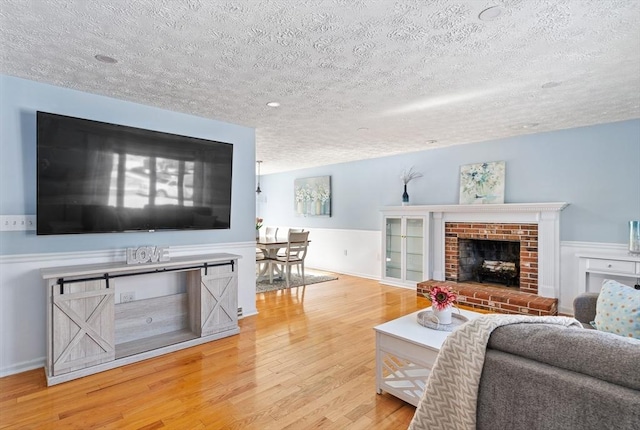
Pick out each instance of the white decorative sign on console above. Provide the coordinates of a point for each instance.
(146, 254)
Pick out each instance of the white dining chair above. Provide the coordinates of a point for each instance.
(294, 254)
(262, 262)
(281, 253)
(270, 231)
(261, 255)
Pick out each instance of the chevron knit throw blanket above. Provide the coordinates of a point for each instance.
(450, 397)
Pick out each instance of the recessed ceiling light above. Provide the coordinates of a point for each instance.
(524, 125)
(551, 84)
(273, 104)
(490, 13)
(106, 59)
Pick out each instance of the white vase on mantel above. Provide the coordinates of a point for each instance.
(443, 316)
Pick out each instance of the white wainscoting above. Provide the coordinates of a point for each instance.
(328, 246)
(326, 252)
(23, 296)
(570, 272)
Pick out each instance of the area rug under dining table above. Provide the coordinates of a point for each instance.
(263, 285)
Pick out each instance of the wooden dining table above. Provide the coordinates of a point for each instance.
(271, 246)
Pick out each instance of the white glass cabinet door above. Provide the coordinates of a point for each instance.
(414, 249)
(393, 251)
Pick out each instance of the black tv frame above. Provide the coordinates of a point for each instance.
(68, 176)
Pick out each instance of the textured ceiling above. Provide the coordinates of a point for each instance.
(355, 78)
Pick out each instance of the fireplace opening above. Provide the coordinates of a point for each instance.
(494, 261)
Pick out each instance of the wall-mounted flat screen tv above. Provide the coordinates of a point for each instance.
(95, 177)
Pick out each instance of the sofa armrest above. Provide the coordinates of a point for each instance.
(584, 307)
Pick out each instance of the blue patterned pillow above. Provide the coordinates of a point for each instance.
(618, 309)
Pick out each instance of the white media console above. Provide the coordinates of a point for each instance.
(87, 332)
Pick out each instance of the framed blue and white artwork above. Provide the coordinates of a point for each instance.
(482, 183)
(313, 196)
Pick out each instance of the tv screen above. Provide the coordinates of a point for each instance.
(95, 177)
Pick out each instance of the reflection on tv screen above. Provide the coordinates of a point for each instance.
(95, 177)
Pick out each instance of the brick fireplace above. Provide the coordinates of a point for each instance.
(524, 298)
(524, 234)
(535, 227)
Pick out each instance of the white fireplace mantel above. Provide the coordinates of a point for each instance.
(487, 208)
(545, 215)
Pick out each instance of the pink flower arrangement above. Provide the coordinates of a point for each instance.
(442, 297)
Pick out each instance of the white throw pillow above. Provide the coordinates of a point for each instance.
(618, 309)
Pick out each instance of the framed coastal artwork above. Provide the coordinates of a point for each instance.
(312, 196)
(482, 183)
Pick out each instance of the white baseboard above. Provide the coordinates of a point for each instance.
(23, 367)
(343, 272)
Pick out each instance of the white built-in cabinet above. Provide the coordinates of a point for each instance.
(404, 247)
(607, 264)
(87, 332)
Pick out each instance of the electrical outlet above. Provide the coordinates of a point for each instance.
(345, 252)
(127, 297)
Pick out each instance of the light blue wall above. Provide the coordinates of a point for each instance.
(19, 101)
(595, 169)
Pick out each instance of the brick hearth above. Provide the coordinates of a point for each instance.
(496, 299)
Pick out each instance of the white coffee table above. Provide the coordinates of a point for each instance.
(405, 353)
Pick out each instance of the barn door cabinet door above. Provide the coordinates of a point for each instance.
(215, 308)
(83, 325)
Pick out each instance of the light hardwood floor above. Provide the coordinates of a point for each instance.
(306, 361)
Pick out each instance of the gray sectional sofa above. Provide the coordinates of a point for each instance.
(539, 376)
(584, 308)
